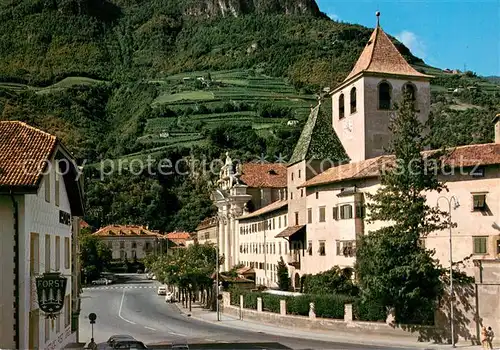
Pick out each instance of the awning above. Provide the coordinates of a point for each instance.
(290, 231)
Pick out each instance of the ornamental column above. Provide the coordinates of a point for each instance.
(227, 233)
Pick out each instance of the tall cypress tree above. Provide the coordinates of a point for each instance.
(393, 267)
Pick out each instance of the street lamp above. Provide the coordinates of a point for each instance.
(451, 201)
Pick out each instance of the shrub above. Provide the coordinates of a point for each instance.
(271, 302)
(368, 311)
(250, 300)
(330, 306)
(298, 305)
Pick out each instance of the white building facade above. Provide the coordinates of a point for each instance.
(39, 220)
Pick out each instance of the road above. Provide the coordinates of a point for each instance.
(135, 309)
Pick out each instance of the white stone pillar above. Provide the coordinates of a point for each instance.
(227, 233)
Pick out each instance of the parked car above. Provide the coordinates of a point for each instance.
(180, 347)
(169, 297)
(116, 337)
(128, 344)
(162, 290)
(102, 281)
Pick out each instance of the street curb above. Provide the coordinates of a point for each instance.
(386, 346)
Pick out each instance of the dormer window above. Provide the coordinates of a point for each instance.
(353, 100)
(341, 106)
(384, 96)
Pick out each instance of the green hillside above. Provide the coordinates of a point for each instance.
(128, 80)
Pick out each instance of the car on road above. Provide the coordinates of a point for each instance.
(128, 344)
(102, 281)
(116, 337)
(162, 290)
(180, 347)
(169, 297)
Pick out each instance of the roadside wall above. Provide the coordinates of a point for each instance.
(312, 322)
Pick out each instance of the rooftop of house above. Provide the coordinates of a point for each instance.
(126, 231)
(178, 238)
(267, 209)
(206, 223)
(463, 156)
(24, 151)
(265, 175)
(381, 56)
(25, 156)
(318, 140)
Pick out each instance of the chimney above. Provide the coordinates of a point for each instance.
(496, 120)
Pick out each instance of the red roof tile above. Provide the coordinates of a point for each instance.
(264, 175)
(126, 231)
(23, 153)
(381, 56)
(267, 209)
(179, 238)
(463, 156)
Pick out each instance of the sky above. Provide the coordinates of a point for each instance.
(450, 34)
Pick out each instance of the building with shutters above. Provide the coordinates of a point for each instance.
(319, 212)
(41, 201)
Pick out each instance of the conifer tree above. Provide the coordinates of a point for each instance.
(393, 267)
(283, 279)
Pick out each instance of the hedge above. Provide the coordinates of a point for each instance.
(326, 306)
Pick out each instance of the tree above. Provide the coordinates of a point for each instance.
(283, 279)
(394, 269)
(333, 281)
(94, 257)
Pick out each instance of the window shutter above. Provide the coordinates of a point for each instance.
(335, 213)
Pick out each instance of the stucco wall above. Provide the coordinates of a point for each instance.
(377, 121)
(140, 245)
(296, 176)
(42, 217)
(369, 123)
(351, 128)
(7, 273)
(276, 247)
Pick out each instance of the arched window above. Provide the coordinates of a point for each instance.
(409, 89)
(384, 95)
(353, 100)
(341, 106)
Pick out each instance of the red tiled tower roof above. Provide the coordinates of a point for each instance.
(381, 56)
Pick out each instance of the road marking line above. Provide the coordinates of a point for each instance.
(120, 311)
(150, 328)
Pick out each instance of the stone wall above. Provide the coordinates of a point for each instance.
(316, 323)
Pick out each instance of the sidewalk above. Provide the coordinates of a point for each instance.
(201, 314)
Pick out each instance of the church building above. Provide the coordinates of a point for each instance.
(315, 222)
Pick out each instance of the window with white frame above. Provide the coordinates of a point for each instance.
(346, 211)
(480, 245)
(322, 214)
(322, 248)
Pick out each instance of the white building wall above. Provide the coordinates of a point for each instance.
(264, 259)
(470, 223)
(6, 273)
(42, 217)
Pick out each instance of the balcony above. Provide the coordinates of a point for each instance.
(293, 259)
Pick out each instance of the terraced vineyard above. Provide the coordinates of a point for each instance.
(200, 101)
